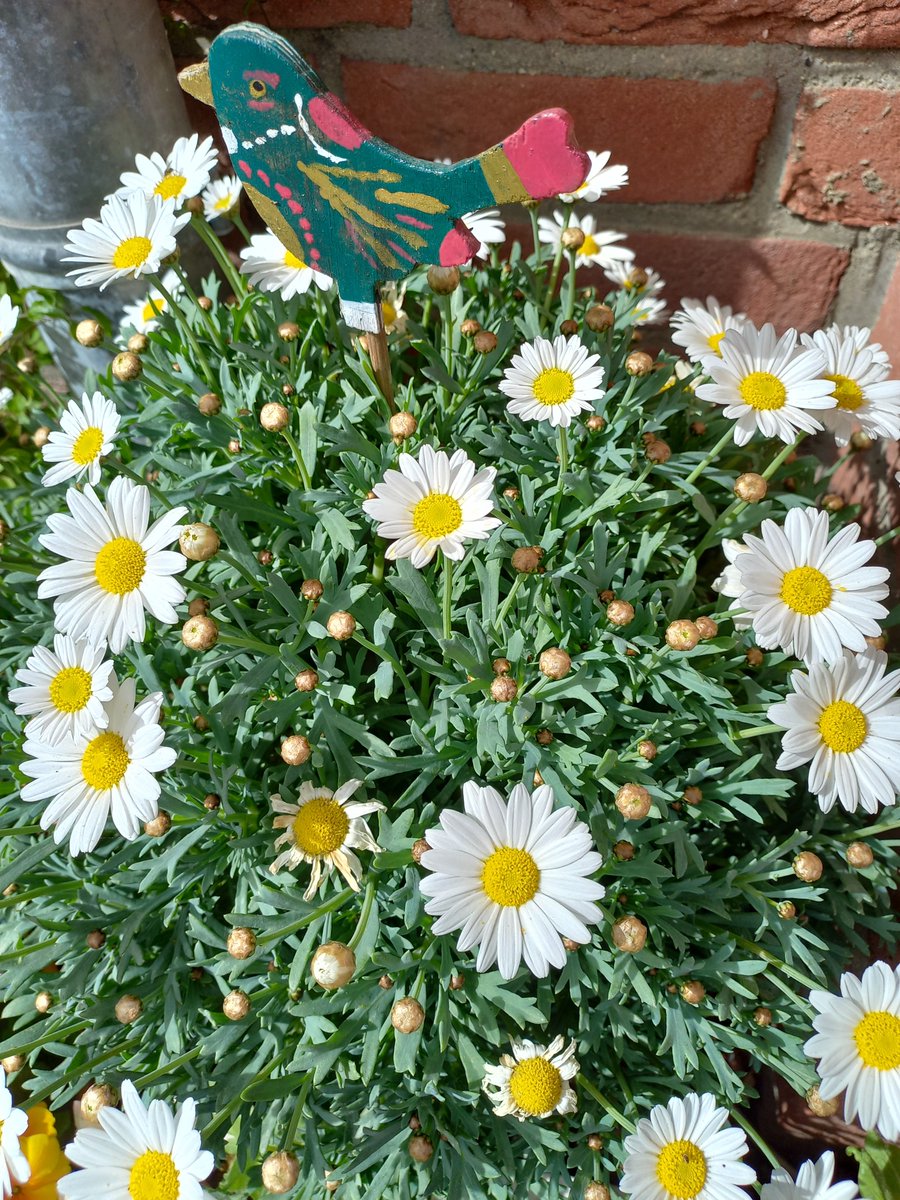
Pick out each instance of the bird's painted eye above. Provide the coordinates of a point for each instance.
(257, 88)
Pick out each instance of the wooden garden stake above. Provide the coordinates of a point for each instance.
(381, 364)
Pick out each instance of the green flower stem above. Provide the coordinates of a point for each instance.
(185, 326)
(563, 446)
(889, 536)
(247, 643)
(237, 221)
(368, 900)
(218, 251)
(756, 1137)
(785, 968)
(446, 347)
(535, 235)
(173, 1064)
(285, 931)
(291, 1131)
(557, 264)
(447, 608)
(57, 1033)
(753, 731)
(224, 1114)
(570, 287)
(388, 658)
(597, 1095)
(85, 1069)
(214, 330)
(853, 836)
(298, 459)
(508, 602)
(712, 456)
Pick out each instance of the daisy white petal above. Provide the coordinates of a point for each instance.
(700, 328)
(143, 315)
(183, 173)
(272, 268)
(488, 226)
(9, 316)
(602, 177)
(221, 197)
(535, 1082)
(88, 433)
(131, 238)
(14, 1166)
(552, 381)
(635, 280)
(813, 1183)
(600, 247)
(866, 398)
(64, 690)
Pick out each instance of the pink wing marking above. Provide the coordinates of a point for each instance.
(304, 223)
(268, 77)
(357, 241)
(408, 220)
(315, 255)
(295, 207)
(399, 250)
(308, 238)
(261, 105)
(245, 167)
(283, 192)
(337, 122)
(264, 177)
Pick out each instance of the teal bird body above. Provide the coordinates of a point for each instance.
(341, 199)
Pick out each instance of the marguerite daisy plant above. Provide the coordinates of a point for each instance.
(101, 772)
(489, 227)
(434, 502)
(183, 173)
(699, 328)
(813, 1182)
(87, 433)
(132, 237)
(9, 317)
(685, 1151)
(808, 594)
(552, 381)
(221, 197)
(513, 877)
(866, 398)
(600, 247)
(143, 315)
(857, 1044)
(534, 1081)
(117, 567)
(14, 1168)
(844, 719)
(602, 177)
(272, 268)
(140, 1153)
(64, 689)
(323, 828)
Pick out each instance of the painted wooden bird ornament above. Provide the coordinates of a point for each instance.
(343, 200)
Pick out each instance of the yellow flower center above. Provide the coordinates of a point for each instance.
(388, 312)
(589, 246)
(536, 1086)
(153, 307)
(763, 390)
(843, 727)
(681, 1169)
(436, 515)
(553, 386)
(170, 186)
(806, 590)
(154, 1177)
(132, 252)
(713, 342)
(848, 392)
(510, 877)
(291, 260)
(87, 445)
(223, 203)
(104, 762)
(70, 689)
(120, 565)
(320, 826)
(877, 1038)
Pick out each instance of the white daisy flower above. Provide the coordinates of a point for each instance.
(103, 772)
(699, 328)
(9, 316)
(861, 336)
(433, 503)
(844, 720)
(728, 583)
(534, 1081)
(64, 689)
(809, 595)
(857, 1043)
(649, 310)
(600, 247)
(813, 1183)
(131, 238)
(272, 268)
(682, 1152)
(140, 1153)
(766, 383)
(513, 878)
(488, 226)
(866, 398)
(221, 197)
(625, 275)
(601, 178)
(183, 173)
(6, 394)
(552, 381)
(116, 566)
(87, 433)
(143, 315)
(323, 829)
(14, 1166)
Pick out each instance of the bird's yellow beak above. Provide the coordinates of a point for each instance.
(195, 81)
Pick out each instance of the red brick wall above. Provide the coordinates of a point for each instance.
(762, 136)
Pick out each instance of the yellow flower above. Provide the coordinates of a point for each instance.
(45, 1157)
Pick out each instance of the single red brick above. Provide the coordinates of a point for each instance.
(887, 327)
(323, 14)
(860, 24)
(844, 163)
(660, 127)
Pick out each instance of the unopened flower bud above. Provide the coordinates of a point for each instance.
(555, 663)
(341, 626)
(94, 1099)
(12, 1063)
(511, 493)
(27, 364)
(311, 589)
(198, 542)
(595, 423)
(470, 327)
(633, 801)
(537, 779)
(209, 404)
(43, 1001)
(385, 982)
(128, 1009)
(211, 801)
(877, 643)
(138, 343)
(707, 627)
(624, 851)
(595, 1142)
(306, 681)
(159, 826)
(402, 426)
(692, 991)
(236, 1005)
(332, 965)
(288, 331)
(820, 1107)
(750, 487)
(199, 633)
(274, 417)
(280, 1172)
(200, 723)
(96, 939)
(443, 280)
(647, 749)
(762, 1016)
(543, 737)
(568, 328)
(295, 750)
(808, 866)
(457, 983)
(572, 238)
(407, 1015)
(504, 689)
(596, 1191)
(527, 559)
(658, 451)
(860, 440)
(629, 934)
(234, 446)
(692, 794)
(755, 657)
(126, 366)
(571, 945)
(501, 666)
(41, 436)
(419, 847)
(89, 332)
(485, 342)
(682, 635)
(420, 1148)
(787, 910)
(832, 502)
(241, 942)
(205, 303)
(599, 318)
(860, 855)
(638, 363)
(265, 558)
(619, 612)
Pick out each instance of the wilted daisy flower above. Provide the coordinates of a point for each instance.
(552, 381)
(766, 383)
(64, 689)
(433, 503)
(699, 328)
(728, 583)
(131, 238)
(600, 246)
(87, 433)
(14, 1166)
(846, 719)
(103, 772)
(393, 314)
(323, 829)
(866, 398)
(601, 178)
(272, 268)
(221, 197)
(534, 1081)
(813, 1183)
(512, 877)
(143, 315)
(857, 1043)
(183, 173)
(117, 565)
(682, 1152)
(138, 1154)
(488, 226)
(9, 316)
(809, 595)
(640, 281)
